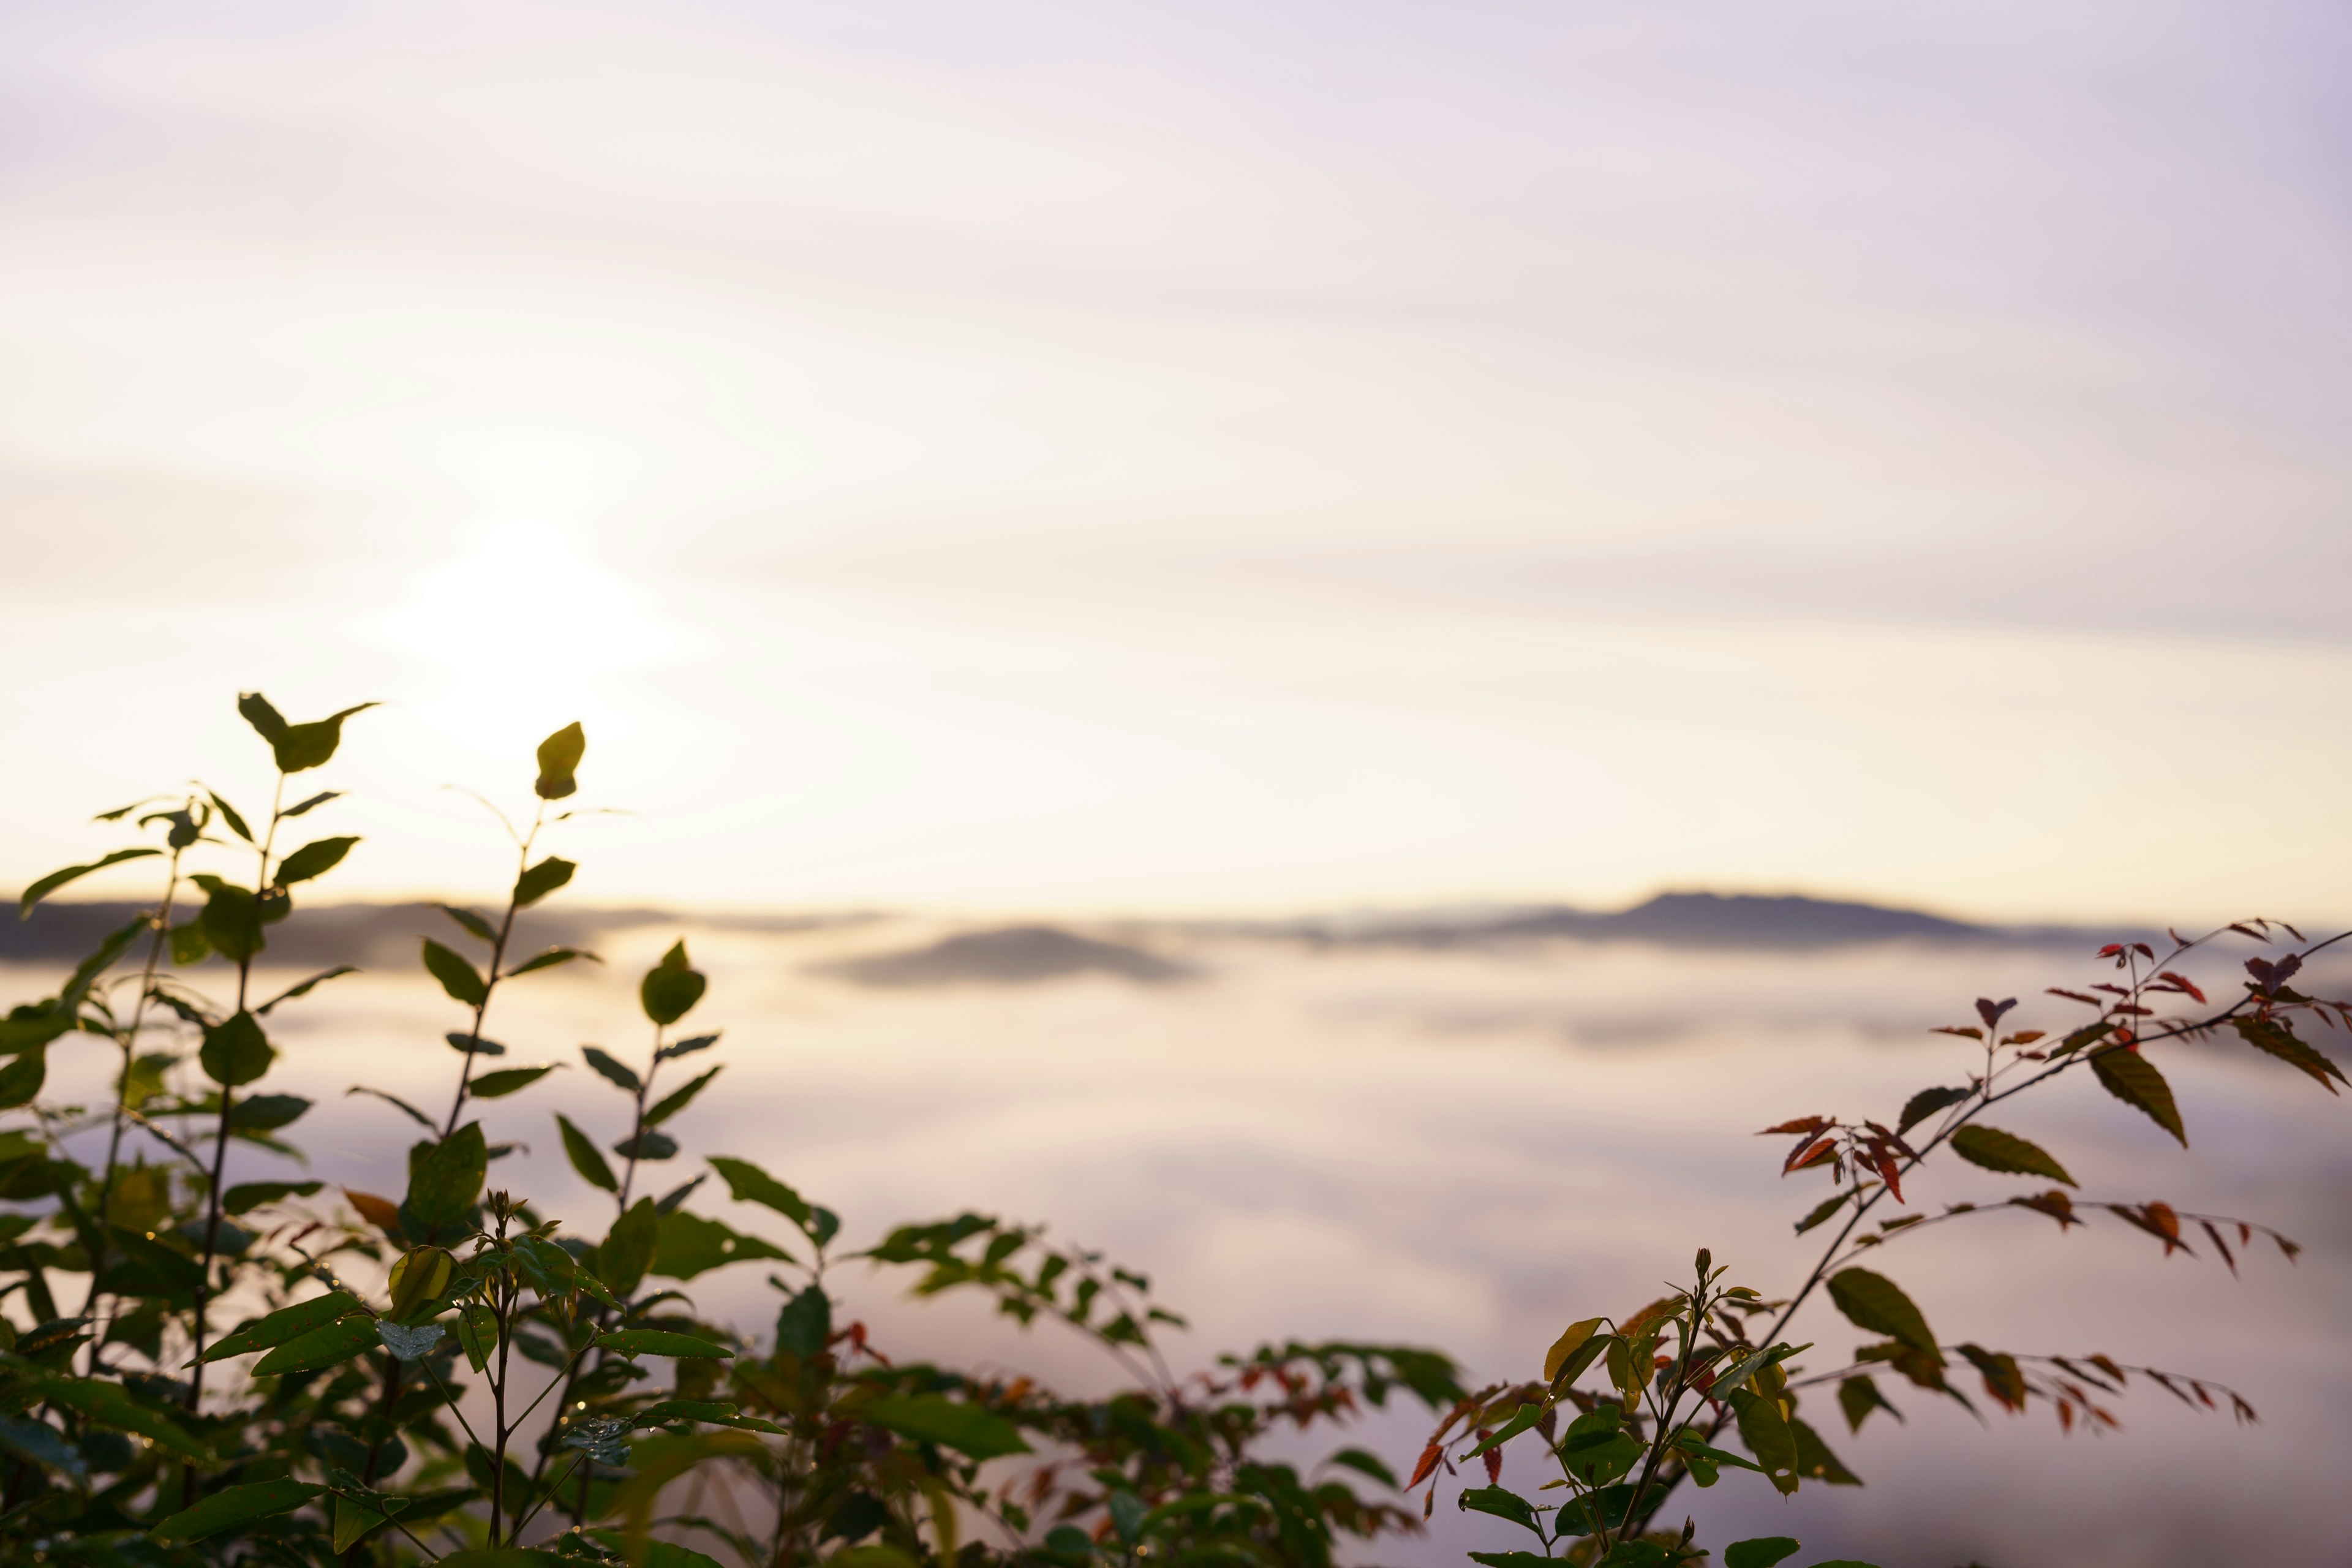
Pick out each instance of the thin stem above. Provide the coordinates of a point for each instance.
(130, 1041)
(220, 1145)
(498, 958)
(1665, 1416)
(637, 1131)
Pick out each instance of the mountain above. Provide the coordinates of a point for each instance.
(1011, 955)
(1673, 920)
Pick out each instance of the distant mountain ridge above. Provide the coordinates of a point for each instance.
(1676, 920)
(381, 935)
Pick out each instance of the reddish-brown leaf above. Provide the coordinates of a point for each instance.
(1808, 1125)
(381, 1213)
(1811, 1154)
(2184, 983)
(2218, 1245)
(1421, 1470)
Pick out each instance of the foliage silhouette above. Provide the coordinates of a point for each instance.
(449, 1376)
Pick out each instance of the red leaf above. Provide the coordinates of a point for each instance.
(1808, 1125)
(2184, 983)
(1809, 1154)
(1494, 1458)
(1421, 1471)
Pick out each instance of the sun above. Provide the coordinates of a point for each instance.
(525, 629)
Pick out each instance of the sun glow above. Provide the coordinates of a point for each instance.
(526, 629)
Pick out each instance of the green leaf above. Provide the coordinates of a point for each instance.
(421, 1274)
(690, 1244)
(1501, 1502)
(302, 747)
(446, 1182)
(304, 987)
(1858, 1396)
(43, 1445)
(313, 860)
(934, 1418)
(559, 759)
(608, 1067)
(1525, 1416)
(55, 880)
(266, 721)
(661, 1341)
(473, 1045)
(1920, 1107)
(111, 1405)
(337, 1341)
(804, 1325)
(647, 1146)
(2006, 1153)
(246, 1196)
(1366, 1463)
(228, 814)
(584, 1156)
(505, 1080)
(305, 807)
(2274, 1036)
(1514, 1560)
(358, 1513)
(1759, 1551)
(549, 959)
(477, 1333)
(474, 925)
(458, 977)
(234, 1506)
(1766, 1432)
(235, 1051)
(671, 988)
(1875, 1302)
(2132, 1079)
(21, 1079)
(541, 880)
(283, 1324)
(231, 919)
(746, 1183)
(627, 1250)
(670, 1105)
(1828, 1206)
(1814, 1460)
(1569, 1342)
(267, 1112)
(189, 943)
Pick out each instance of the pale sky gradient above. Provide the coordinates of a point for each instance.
(1206, 455)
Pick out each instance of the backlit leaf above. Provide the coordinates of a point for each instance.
(1766, 1432)
(934, 1418)
(1858, 1396)
(336, 1341)
(458, 977)
(235, 1051)
(55, 880)
(627, 1250)
(301, 747)
(1875, 1302)
(1759, 1551)
(671, 1104)
(611, 1068)
(541, 880)
(671, 988)
(1570, 1341)
(690, 1243)
(2274, 1036)
(507, 1080)
(285, 1324)
(1926, 1102)
(2006, 1153)
(2132, 1079)
(234, 1506)
(661, 1341)
(314, 859)
(559, 759)
(584, 1157)
(446, 1182)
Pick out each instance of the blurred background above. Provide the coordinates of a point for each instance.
(1234, 506)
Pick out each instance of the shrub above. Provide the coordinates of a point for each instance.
(452, 1376)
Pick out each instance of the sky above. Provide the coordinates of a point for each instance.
(1094, 457)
